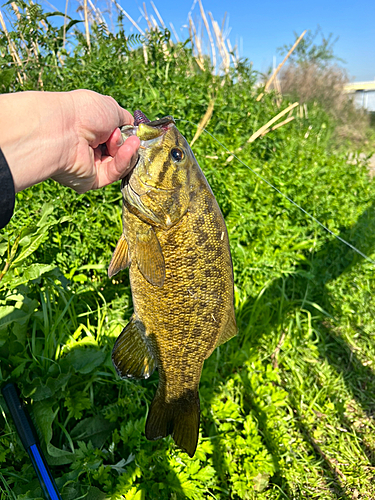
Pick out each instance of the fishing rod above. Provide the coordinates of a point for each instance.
(30, 442)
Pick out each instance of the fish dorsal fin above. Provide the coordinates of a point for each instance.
(120, 258)
(229, 331)
(149, 256)
(132, 354)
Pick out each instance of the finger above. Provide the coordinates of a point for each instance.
(99, 116)
(113, 169)
(123, 117)
(114, 142)
(126, 118)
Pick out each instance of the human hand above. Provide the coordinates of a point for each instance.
(73, 137)
(99, 155)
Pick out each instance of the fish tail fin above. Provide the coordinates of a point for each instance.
(180, 418)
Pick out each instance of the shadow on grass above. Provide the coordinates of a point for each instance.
(305, 288)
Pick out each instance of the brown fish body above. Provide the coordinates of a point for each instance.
(182, 286)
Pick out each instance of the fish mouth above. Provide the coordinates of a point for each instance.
(149, 132)
(140, 117)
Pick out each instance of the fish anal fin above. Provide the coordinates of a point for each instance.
(179, 417)
(149, 256)
(132, 354)
(120, 258)
(229, 331)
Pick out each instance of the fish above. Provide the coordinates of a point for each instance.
(175, 243)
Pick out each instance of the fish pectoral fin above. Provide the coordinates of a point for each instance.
(229, 331)
(179, 417)
(149, 256)
(132, 354)
(120, 258)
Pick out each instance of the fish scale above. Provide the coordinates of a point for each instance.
(176, 245)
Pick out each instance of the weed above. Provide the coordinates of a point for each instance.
(287, 405)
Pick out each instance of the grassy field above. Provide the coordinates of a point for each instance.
(287, 405)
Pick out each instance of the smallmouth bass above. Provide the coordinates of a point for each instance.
(176, 245)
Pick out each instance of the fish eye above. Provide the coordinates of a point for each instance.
(177, 154)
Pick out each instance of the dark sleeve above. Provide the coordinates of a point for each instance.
(7, 194)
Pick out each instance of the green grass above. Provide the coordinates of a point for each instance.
(287, 405)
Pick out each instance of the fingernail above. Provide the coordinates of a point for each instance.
(120, 141)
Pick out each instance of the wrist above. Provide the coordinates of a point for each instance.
(34, 135)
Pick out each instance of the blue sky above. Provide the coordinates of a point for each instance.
(260, 27)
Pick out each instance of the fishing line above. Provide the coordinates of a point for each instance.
(285, 196)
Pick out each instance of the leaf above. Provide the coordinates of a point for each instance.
(56, 13)
(261, 482)
(35, 242)
(84, 360)
(31, 241)
(76, 403)
(205, 473)
(80, 278)
(9, 314)
(71, 24)
(119, 467)
(32, 272)
(50, 388)
(135, 494)
(62, 456)
(31, 495)
(44, 417)
(6, 77)
(47, 210)
(95, 494)
(5, 311)
(3, 247)
(17, 372)
(95, 429)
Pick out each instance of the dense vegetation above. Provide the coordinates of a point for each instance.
(287, 405)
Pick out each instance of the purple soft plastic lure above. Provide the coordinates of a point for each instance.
(140, 117)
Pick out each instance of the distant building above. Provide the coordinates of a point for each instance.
(363, 94)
